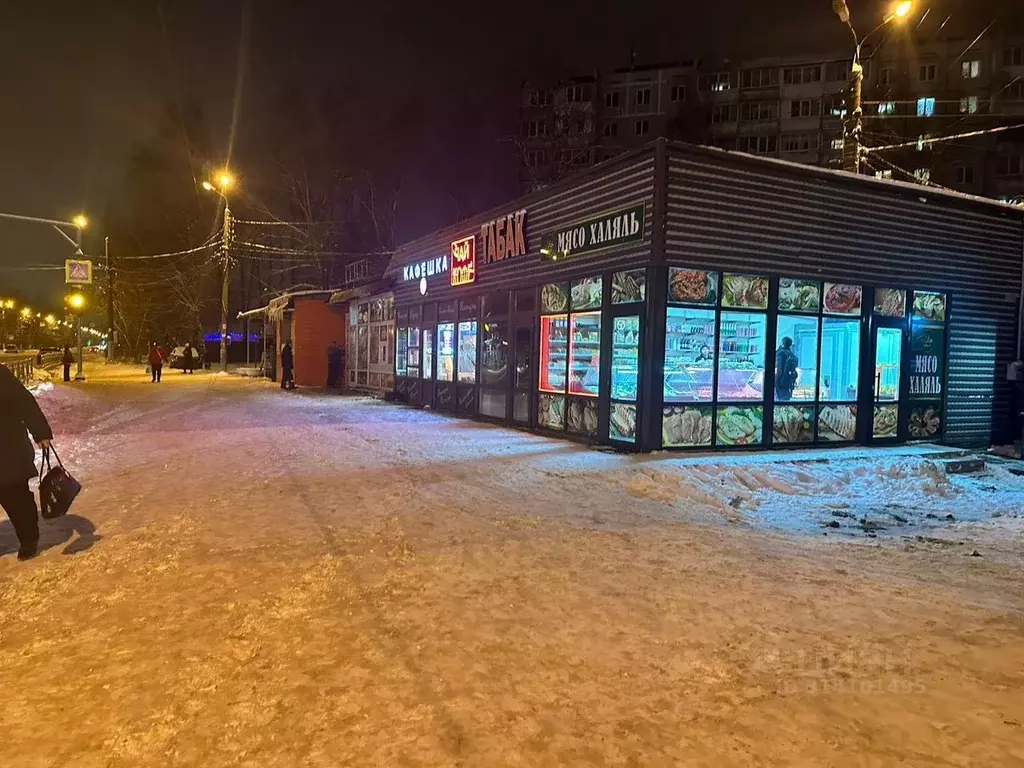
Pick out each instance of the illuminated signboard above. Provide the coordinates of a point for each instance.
(463, 267)
(426, 268)
(503, 238)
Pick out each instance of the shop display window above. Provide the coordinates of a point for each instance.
(793, 424)
(585, 354)
(796, 358)
(582, 417)
(890, 302)
(686, 426)
(741, 356)
(745, 291)
(930, 307)
(551, 411)
(888, 364)
(446, 352)
(467, 352)
(837, 423)
(375, 332)
(554, 352)
(428, 353)
(842, 299)
(692, 286)
(622, 422)
(413, 353)
(739, 426)
(629, 287)
(361, 349)
(401, 353)
(554, 299)
(689, 355)
(799, 295)
(840, 360)
(494, 355)
(625, 357)
(586, 294)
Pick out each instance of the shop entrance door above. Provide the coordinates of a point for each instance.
(522, 374)
(888, 351)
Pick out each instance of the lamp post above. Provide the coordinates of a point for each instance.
(225, 181)
(854, 126)
(76, 303)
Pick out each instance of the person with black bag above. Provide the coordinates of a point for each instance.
(19, 415)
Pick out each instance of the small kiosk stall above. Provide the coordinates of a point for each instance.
(681, 297)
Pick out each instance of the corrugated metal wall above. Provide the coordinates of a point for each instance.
(728, 212)
(617, 185)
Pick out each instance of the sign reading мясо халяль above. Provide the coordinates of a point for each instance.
(604, 231)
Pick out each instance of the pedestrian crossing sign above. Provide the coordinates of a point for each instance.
(78, 272)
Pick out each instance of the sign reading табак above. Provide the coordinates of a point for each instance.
(605, 231)
(504, 238)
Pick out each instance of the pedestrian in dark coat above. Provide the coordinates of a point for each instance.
(334, 360)
(188, 364)
(287, 366)
(68, 360)
(19, 415)
(156, 362)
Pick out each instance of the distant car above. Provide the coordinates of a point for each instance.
(177, 358)
(11, 349)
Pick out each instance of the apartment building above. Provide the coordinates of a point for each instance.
(915, 89)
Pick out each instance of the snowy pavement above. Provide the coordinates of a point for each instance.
(258, 578)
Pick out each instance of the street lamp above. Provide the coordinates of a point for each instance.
(76, 303)
(80, 221)
(854, 126)
(225, 181)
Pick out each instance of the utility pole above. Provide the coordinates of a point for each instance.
(224, 287)
(110, 299)
(80, 374)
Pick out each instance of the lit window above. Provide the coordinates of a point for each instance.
(970, 70)
(643, 127)
(883, 174)
(838, 144)
(926, 106)
(969, 105)
(887, 108)
(924, 175)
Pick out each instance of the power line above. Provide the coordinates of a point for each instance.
(197, 249)
(937, 139)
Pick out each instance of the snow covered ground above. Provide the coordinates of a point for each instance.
(259, 578)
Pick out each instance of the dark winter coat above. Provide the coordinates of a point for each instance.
(187, 355)
(68, 358)
(287, 358)
(786, 366)
(18, 412)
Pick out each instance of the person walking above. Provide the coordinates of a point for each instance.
(188, 357)
(156, 362)
(786, 373)
(68, 360)
(19, 415)
(334, 360)
(287, 366)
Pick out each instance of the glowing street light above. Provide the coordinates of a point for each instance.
(26, 312)
(225, 180)
(76, 301)
(80, 221)
(50, 319)
(902, 10)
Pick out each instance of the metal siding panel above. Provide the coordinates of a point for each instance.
(721, 214)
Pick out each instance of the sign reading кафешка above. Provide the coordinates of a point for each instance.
(605, 231)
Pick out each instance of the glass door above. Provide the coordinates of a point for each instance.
(522, 373)
(887, 382)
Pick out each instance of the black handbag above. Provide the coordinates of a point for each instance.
(57, 488)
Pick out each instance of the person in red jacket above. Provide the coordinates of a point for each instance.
(156, 361)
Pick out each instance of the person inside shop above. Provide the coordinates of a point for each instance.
(786, 373)
(287, 366)
(707, 355)
(67, 361)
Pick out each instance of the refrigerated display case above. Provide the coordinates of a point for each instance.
(401, 358)
(467, 352)
(554, 352)
(625, 357)
(689, 355)
(446, 352)
(428, 353)
(585, 354)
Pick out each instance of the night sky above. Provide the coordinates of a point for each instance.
(82, 82)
